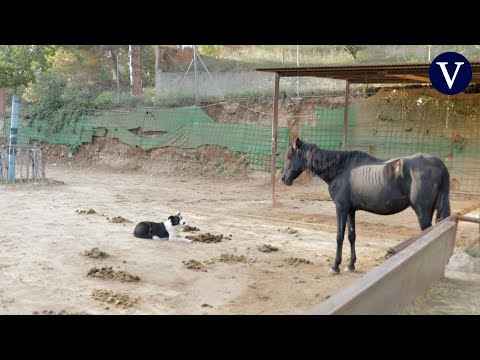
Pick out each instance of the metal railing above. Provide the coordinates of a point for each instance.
(29, 164)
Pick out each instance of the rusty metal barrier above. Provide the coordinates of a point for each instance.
(29, 164)
(418, 262)
(458, 216)
(395, 283)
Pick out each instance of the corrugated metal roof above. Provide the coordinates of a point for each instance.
(370, 74)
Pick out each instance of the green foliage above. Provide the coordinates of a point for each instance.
(75, 148)
(37, 89)
(353, 49)
(130, 101)
(219, 166)
(173, 100)
(61, 105)
(19, 63)
(105, 100)
(210, 50)
(148, 65)
(474, 250)
(50, 101)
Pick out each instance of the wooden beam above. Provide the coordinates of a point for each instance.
(410, 77)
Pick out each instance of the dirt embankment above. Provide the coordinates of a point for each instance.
(206, 161)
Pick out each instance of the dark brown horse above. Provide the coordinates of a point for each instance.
(359, 181)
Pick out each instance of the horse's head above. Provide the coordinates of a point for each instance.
(294, 163)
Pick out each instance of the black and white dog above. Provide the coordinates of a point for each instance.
(167, 229)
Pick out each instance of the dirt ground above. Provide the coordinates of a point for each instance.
(458, 293)
(49, 232)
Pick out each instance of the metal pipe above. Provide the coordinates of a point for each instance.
(298, 64)
(195, 69)
(468, 219)
(454, 217)
(118, 77)
(44, 178)
(1, 165)
(13, 139)
(211, 78)
(35, 165)
(345, 114)
(469, 209)
(20, 162)
(27, 157)
(274, 133)
(39, 165)
(183, 80)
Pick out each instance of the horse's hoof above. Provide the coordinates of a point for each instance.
(334, 272)
(347, 269)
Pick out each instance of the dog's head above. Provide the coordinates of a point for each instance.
(176, 219)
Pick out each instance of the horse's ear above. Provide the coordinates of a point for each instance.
(297, 144)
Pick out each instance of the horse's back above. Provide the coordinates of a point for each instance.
(390, 186)
(422, 158)
(423, 164)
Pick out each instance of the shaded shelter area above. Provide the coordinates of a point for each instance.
(404, 74)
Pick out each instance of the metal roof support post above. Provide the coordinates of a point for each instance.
(274, 133)
(12, 149)
(345, 114)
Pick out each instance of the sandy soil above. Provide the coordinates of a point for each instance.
(46, 229)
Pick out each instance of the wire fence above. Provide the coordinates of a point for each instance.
(247, 57)
(229, 104)
(393, 122)
(403, 121)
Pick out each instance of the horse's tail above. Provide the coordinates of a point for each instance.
(442, 204)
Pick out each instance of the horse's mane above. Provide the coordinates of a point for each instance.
(329, 163)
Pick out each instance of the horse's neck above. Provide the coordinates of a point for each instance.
(327, 164)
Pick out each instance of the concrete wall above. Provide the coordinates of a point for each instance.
(391, 286)
(226, 82)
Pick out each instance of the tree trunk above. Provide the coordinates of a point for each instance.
(3, 95)
(114, 62)
(3, 102)
(135, 69)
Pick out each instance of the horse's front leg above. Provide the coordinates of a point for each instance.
(351, 238)
(341, 222)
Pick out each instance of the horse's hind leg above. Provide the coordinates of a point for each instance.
(341, 222)
(351, 238)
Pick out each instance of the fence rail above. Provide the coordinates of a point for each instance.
(25, 158)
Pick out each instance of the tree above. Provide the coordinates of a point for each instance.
(135, 69)
(429, 48)
(353, 49)
(19, 63)
(210, 50)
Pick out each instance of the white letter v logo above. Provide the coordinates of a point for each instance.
(446, 75)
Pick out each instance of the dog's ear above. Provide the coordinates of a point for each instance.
(178, 213)
(170, 218)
